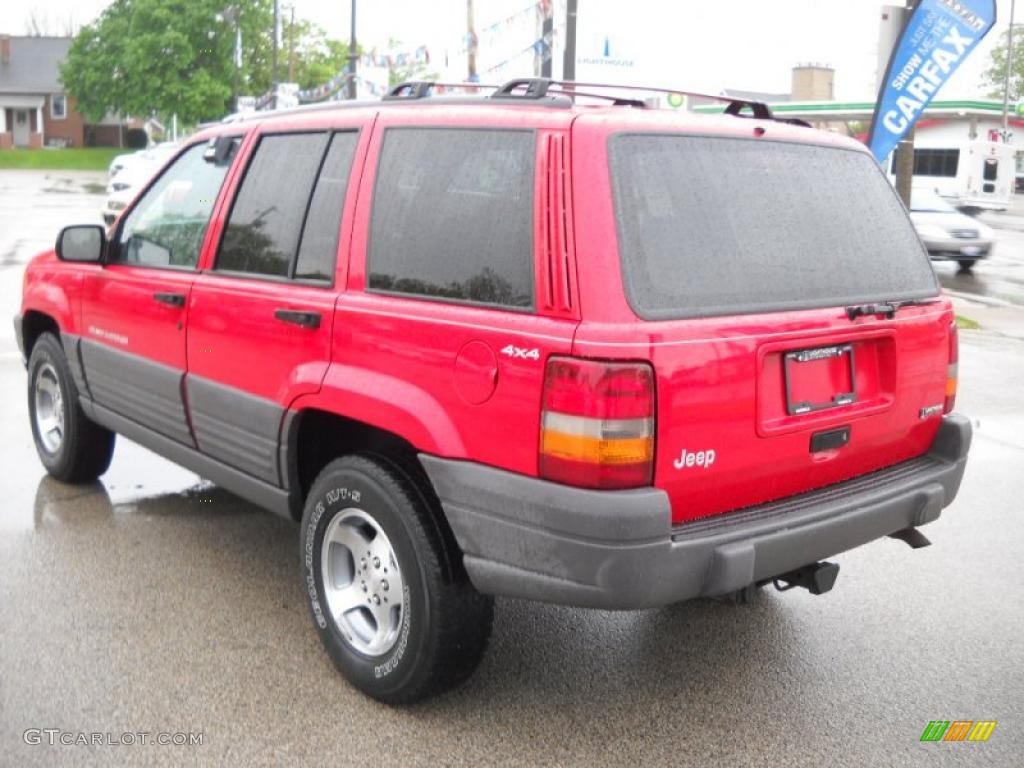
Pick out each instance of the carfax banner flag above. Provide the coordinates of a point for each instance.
(938, 37)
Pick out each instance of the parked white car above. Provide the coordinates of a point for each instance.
(130, 172)
(947, 233)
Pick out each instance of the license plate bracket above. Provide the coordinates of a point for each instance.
(819, 378)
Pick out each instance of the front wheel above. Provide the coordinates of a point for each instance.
(71, 447)
(966, 265)
(385, 583)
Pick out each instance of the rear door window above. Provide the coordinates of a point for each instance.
(286, 216)
(720, 226)
(453, 216)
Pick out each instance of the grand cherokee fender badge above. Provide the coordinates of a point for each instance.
(703, 459)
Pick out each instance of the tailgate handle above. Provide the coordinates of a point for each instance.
(173, 299)
(830, 439)
(305, 319)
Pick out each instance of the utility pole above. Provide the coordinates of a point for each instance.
(1006, 83)
(547, 34)
(353, 55)
(232, 15)
(471, 75)
(291, 47)
(569, 60)
(905, 149)
(273, 61)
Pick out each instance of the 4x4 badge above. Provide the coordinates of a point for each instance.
(521, 353)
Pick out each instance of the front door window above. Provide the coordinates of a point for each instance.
(166, 227)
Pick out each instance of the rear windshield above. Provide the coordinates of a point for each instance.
(721, 226)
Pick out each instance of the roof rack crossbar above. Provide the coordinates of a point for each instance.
(616, 101)
(538, 87)
(533, 88)
(421, 89)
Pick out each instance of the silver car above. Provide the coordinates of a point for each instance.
(947, 233)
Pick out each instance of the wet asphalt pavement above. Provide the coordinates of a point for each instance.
(154, 602)
(998, 279)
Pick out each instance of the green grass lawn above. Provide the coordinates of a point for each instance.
(74, 159)
(966, 323)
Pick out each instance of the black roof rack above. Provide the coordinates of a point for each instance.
(539, 90)
(420, 89)
(538, 87)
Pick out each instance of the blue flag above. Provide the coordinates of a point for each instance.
(938, 37)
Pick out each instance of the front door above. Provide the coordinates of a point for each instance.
(260, 320)
(134, 308)
(21, 127)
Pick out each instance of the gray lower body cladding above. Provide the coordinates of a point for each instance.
(529, 538)
(235, 427)
(140, 389)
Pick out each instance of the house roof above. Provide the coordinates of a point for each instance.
(33, 66)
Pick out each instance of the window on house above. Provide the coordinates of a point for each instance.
(58, 106)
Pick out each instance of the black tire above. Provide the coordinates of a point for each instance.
(85, 448)
(441, 630)
(966, 265)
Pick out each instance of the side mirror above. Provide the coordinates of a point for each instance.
(220, 150)
(82, 242)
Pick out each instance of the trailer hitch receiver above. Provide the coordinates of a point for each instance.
(816, 578)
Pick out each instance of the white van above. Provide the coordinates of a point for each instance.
(971, 175)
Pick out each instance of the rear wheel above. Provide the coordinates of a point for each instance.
(387, 590)
(70, 446)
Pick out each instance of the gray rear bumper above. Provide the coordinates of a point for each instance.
(529, 538)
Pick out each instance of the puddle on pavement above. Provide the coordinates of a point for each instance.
(138, 483)
(62, 185)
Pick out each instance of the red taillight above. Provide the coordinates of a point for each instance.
(597, 423)
(952, 370)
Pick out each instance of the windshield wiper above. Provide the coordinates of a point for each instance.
(885, 308)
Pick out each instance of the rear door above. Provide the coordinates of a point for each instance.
(260, 317)
(134, 309)
(741, 258)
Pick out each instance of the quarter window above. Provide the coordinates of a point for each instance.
(453, 216)
(166, 227)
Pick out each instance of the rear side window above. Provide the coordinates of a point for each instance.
(453, 216)
(719, 226)
(287, 214)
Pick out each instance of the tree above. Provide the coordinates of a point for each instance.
(994, 78)
(310, 57)
(168, 57)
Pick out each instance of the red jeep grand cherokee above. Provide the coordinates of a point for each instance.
(602, 355)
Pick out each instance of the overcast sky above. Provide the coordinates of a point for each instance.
(745, 44)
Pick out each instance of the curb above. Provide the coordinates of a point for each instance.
(987, 301)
